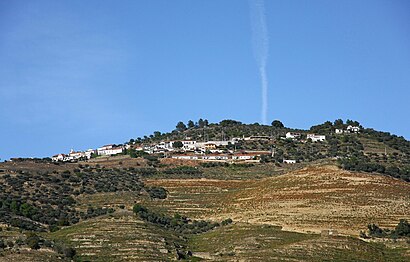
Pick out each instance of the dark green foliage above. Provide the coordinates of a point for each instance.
(364, 164)
(393, 141)
(214, 164)
(191, 124)
(226, 222)
(134, 153)
(277, 124)
(157, 192)
(229, 122)
(177, 223)
(2, 244)
(376, 231)
(152, 160)
(95, 212)
(146, 172)
(181, 126)
(402, 230)
(33, 241)
(139, 208)
(183, 170)
(201, 123)
(30, 201)
(65, 250)
(323, 129)
(177, 144)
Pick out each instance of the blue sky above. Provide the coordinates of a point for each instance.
(80, 74)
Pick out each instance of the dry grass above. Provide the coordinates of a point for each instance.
(307, 200)
(120, 237)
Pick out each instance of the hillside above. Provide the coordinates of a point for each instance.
(346, 198)
(367, 150)
(307, 200)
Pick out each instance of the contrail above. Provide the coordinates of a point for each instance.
(260, 43)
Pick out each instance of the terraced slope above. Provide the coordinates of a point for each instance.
(120, 237)
(307, 200)
(246, 242)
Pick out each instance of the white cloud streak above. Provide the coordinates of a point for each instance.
(260, 43)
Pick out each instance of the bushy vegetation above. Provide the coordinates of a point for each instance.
(402, 230)
(42, 201)
(157, 192)
(365, 164)
(33, 241)
(393, 141)
(178, 223)
(183, 170)
(350, 147)
(144, 172)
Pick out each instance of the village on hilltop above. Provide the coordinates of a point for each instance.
(188, 149)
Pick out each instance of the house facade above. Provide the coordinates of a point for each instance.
(293, 135)
(109, 150)
(316, 138)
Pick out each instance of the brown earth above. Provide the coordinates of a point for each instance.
(307, 200)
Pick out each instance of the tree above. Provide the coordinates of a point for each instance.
(403, 228)
(181, 126)
(352, 122)
(191, 124)
(277, 124)
(2, 244)
(157, 192)
(157, 134)
(229, 122)
(177, 144)
(201, 123)
(138, 208)
(33, 241)
(338, 123)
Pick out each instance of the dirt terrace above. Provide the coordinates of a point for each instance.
(307, 200)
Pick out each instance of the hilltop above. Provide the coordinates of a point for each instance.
(346, 196)
(363, 149)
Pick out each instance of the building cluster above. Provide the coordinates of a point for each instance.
(187, 146)
(349, 129)
(107, 150)
(243, 156)
(298, 136)
(197, 150)
(73, 156)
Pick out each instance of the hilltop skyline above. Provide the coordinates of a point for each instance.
(77, 74)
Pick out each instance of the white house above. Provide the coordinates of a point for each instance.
(316, 138)
(109, 150)
(289, 161)
(353, 129)
(185, 157)
(257, 138)
(165, 145)
(292, 135)
(76, 155)
(339, 131)
(73, 155)
(188, 145)
(349, 129)
(215, 157)
(59, 157)
(89, 153)
(242, 157)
